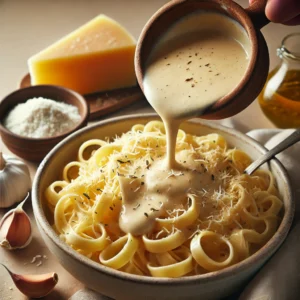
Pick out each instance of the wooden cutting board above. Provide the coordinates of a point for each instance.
(105, 102)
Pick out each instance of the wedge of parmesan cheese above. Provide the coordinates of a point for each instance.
(98, 56)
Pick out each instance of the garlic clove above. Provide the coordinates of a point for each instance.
(13, 173)
(34, 286)
(15, 228)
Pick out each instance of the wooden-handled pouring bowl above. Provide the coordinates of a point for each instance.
(252, 19)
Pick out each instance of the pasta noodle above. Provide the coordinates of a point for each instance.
(119, 206)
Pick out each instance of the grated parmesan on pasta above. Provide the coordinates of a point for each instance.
(118, 206)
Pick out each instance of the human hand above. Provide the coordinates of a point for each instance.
(283, 11)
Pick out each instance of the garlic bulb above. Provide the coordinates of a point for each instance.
(34, 286)
(14, 180)
(15, 228)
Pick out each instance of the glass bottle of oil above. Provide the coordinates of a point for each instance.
(280, 98)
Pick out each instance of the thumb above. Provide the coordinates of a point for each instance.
(280, 11)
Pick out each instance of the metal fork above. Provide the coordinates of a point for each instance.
(286, 143)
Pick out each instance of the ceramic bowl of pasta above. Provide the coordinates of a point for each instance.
(129, 228)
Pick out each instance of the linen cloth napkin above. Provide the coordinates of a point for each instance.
(279, 279)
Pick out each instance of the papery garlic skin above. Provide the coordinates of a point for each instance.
(15, 180)
(34, 286)
(15, 229)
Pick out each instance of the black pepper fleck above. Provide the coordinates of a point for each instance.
(86, 195)
(153, 209)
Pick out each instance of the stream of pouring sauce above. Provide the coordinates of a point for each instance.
(199, 60)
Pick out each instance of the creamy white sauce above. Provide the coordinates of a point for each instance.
(162, 189)
(199, 60)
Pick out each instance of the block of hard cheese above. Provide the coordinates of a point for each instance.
(98, 56)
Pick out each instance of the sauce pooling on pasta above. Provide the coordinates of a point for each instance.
(161, 190)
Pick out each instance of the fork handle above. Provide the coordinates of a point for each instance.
(286, 143)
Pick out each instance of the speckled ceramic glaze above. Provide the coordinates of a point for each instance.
(119, 285)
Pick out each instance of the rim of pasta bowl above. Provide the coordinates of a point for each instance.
(275, 241)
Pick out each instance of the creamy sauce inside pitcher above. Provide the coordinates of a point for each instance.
(196, 62)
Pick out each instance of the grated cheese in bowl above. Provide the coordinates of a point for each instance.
(42, 118)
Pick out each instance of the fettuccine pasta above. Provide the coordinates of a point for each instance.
(118, 205)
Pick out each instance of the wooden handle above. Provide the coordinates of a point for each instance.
(256, 12)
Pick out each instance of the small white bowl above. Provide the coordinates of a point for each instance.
(120, 285)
